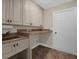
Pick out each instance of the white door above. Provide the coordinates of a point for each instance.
(65, 30)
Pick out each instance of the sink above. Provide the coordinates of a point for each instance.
(9, 37)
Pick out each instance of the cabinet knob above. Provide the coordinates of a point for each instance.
(30, 23)
(14, 45)
(10, 20)
(55, 32)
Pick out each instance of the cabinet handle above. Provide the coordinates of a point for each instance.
(10, 20)
(16, 44)
(55, 32)
(30, 23)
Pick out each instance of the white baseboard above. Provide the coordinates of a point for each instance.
(45, 45)
(41, 45)
(35, 46)
(55, 48)
(48, 47)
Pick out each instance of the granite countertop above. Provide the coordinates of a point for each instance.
(34, 31)
(22, 33)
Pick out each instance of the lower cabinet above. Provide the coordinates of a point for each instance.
(21, 12)
(12, 48)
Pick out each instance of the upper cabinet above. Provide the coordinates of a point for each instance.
(35, 14)
(11, 13)
(17, 9)
(5, 11)
(32, 13)
(22, 12)
(26, 12)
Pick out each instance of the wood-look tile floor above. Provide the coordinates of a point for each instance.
(42, 52)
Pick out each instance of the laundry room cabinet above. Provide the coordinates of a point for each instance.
(32, 13)
(36, 14)
(6, 11)
(11, 12)
(21, 12)
(17, 11)
(26, 12)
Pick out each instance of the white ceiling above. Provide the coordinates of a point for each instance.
(50, 3)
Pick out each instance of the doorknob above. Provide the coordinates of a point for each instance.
(55, 32)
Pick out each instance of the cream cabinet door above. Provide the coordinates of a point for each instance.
(5, 11)
(32, 14)
(26, 12)
(11, 13)
(35, 14)
(17, 18)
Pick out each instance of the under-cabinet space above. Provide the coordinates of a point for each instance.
(21, 55)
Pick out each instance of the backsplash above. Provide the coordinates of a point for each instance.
(6, 28)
